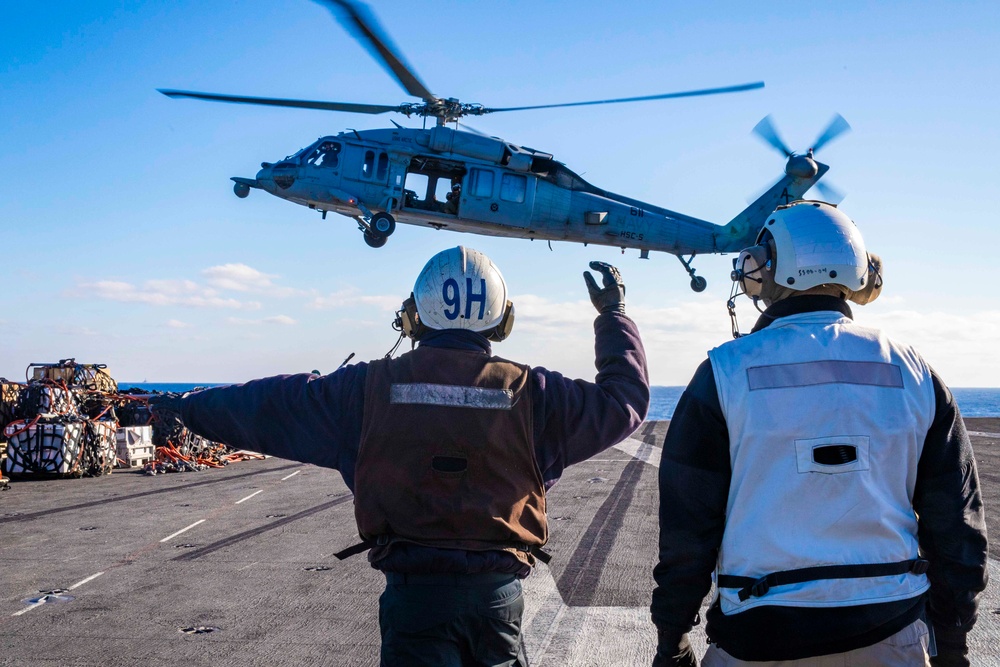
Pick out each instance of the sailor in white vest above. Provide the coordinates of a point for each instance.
(820, 475)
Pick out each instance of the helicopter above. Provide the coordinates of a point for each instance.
(461, 180)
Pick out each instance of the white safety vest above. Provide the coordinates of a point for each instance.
(807, 388)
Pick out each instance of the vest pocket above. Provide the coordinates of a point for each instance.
(833, 455)
(452, 465)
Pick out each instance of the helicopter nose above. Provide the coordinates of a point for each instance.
(281, 175)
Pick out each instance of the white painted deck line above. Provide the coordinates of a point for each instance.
(290, 476)
(984, 434)
(88, 579)
(243, 500)
(182, 530)
(638, 449)
(29, 608)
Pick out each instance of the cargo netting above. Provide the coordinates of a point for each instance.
(70, 420)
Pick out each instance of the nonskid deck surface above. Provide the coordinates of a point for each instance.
(247, 552)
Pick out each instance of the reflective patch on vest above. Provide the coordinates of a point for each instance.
(813, 454)
(872, 373)
(452, 396)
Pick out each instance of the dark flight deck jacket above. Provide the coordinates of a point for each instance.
(318, 419)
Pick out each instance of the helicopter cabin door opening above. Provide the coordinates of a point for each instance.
(433, 185)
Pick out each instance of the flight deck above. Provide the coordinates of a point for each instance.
(236, 567)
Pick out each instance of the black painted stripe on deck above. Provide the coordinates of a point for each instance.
(247, 534)
(143, 494)
(578, 583)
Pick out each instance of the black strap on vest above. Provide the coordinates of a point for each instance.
(382, 540)
(361, 547)
(750, 587)
(537, 552)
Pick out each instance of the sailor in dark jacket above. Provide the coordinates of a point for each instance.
(448, 450)
(822, 472)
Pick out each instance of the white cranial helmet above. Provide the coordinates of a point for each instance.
(815, 244)
(460, 288)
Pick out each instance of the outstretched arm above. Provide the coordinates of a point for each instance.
(308, 418)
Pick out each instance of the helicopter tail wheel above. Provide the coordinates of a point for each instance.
(375, 240)
(383, 224)
(241, 190)
(698, 284)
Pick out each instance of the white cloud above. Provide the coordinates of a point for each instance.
(352, 297)
(177, 324)
(243, 278)
(164, 293)
(283, 320)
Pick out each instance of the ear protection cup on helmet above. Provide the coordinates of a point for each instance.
(502, 330)
(750, 267)
(408, 320)
(873, 282)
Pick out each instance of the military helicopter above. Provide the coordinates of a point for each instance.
(464, 181)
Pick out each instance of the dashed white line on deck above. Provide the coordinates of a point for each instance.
(243, 500)
(290, 476)
(182, 530)
(81, 583)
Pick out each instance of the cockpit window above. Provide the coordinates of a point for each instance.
(327, 154)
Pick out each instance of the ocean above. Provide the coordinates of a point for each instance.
(973, 402)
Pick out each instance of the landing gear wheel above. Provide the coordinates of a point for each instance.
(698, 284)
(383, 223)
(375, 241)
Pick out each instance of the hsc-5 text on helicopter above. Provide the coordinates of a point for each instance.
(463, 181)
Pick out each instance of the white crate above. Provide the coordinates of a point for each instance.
(135, 445)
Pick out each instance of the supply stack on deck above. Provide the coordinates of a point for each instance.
(65, 423)
(70, 420)
(10, 398)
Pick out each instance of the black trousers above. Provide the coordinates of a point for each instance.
(451, 620)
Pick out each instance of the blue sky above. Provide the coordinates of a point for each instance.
(125, 244)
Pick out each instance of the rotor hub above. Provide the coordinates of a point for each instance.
(801, 166)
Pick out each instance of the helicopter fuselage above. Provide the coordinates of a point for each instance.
(502, 190)
(464, 182)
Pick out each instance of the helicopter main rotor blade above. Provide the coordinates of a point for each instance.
(836, 128)
(766, 131)
(688, 93)
(365, 27)
(275, 102)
